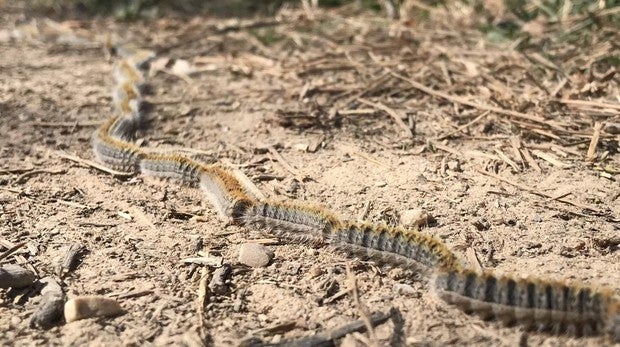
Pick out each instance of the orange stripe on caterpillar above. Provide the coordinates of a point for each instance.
(126, 98)
(225, 192)
(393, 244)
(540, 305)
(134, 56)
(114, 153)
(126, 72)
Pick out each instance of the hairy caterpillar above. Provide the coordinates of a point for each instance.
(395, 244)
(293, 221)
(539, 305)
(114, 153)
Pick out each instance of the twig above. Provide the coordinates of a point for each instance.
(326, 338)
(360, 308)
(93, 164)
(551, 159)
(588, 103)
(473, 259)
(11, 250)
(463, 127)
(67, 124)
(507, 160)
(16, 170)
(391, 112)
(591, 154)
(285, 164)
(71, 259)
(24, 177)
(530, 160)
(448, 149)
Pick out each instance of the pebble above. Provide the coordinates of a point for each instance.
(15, 276)
(91, 306)
(416, 217)
(612, 128)
(218, 283)
(454, 165)
(254, 255)
(402, 288)
(49, 311)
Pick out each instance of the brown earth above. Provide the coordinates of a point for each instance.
(295, 86)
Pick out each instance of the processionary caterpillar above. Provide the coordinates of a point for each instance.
(536, 304)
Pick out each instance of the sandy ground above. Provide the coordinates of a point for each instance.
(251, 95)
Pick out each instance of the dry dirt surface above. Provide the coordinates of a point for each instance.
(512, 150)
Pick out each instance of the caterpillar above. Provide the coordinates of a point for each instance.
(292, 220)
(538, 305)
(393, 244)
(113, 152)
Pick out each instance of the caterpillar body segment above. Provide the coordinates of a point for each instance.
(537, 305)
(114, 153)
(394, 243)
(293, 221)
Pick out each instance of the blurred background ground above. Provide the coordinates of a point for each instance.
(501, 119)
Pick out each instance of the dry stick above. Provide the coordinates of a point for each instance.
(360, 308)
(93, 165)
(15, 171)
(515, 143)
(20, 258)
(507, 160)
(285, 164)
(201, 300)
(551, 159)
(23, 177)
(12, 250)
(530, 160)
(588, 103)
(391, 112)
(448, 149)
(538, 192)
(67, 124)
(591, 155)
(326, 338)
(463, 101)
(463, 127)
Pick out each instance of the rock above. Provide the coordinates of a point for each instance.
(481, 224)
(91, 306)
(218, 284)
(612, 128)
(50, 310)
(254, 255)
(402, 288)
(454, 165)
(416, 218)
(15, 276)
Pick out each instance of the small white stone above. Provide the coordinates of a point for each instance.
(402, 288)
(416, 218)
(254, 255)
(91, 306)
